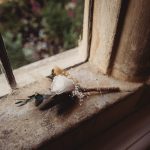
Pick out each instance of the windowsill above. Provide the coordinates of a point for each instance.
(27, 127)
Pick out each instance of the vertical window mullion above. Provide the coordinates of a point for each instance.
(6, 64)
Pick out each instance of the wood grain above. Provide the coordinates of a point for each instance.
(120, 38)
(105, 21)
(132, 61)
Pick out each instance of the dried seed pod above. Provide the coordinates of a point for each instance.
(62, 84)
(58, 71)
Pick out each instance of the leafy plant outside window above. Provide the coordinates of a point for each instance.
(36, 29)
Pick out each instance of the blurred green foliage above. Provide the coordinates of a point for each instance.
(58, 23)
(14, 47)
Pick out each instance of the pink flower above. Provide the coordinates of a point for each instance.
(35, 6)
(70, 13)
(74, 1)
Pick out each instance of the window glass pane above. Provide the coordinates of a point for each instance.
(35, 29)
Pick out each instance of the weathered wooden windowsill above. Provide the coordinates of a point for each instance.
(27, 127)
